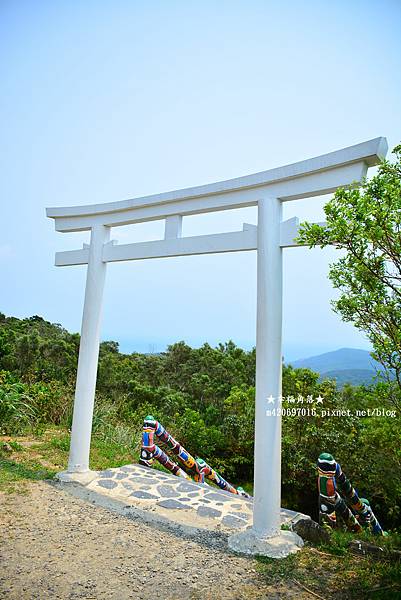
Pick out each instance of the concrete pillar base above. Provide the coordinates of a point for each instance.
(280, 546)
(83, 477)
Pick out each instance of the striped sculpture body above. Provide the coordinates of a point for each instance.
(358, 514)
(207, 471)
(195, 467)
(149, 450)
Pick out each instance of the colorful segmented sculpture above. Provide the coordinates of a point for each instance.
(195, 467)
(331, 481)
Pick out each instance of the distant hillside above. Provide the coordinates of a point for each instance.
(352, 376)
(344, 358)
(346, 365)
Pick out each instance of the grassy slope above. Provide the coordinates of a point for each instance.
(330, 572)
(333, 573)
(42, 456)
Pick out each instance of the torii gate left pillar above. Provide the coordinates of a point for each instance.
(267, 191)
(85, 386)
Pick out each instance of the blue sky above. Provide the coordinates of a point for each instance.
(107, 100)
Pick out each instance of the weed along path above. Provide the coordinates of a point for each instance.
(58, 545)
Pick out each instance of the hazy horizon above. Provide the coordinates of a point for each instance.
(127, 346)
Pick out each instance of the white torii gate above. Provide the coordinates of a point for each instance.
(266, 190)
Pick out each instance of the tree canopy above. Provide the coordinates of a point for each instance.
(364, 222)
(206, 398)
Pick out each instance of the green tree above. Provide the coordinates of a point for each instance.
(364, 222)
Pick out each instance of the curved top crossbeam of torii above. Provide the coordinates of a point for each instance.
(266, 190)
(313, 177)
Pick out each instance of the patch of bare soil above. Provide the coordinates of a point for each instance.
(54, 545)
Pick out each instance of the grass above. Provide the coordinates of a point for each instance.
(14, 473)
(341, 539)
(334, 573)
(43, 454)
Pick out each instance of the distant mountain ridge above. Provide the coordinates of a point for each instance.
(346, 365)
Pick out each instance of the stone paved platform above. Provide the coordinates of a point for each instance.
(179, 500)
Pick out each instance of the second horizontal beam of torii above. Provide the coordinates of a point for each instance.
(236, 241)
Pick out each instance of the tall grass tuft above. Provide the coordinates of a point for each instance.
(16, 410)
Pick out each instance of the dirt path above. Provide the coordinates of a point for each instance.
(55, 545)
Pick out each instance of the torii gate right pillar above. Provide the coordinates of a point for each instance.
(265, 537)
(267, 470)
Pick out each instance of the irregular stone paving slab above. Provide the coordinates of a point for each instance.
(241, 515)
(146, 480)
(217, 496)
(187, 487)
(167, 491)
(141, 494)
(288, 513)
(232, 521)
(168, 503)
(206, 511)
(107, 473)
(107, 483)
(188, 502)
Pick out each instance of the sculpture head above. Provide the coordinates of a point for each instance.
(326, 465)
(150, 421)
